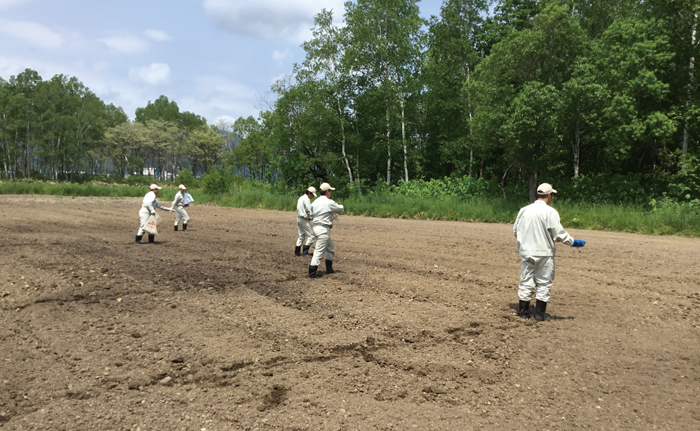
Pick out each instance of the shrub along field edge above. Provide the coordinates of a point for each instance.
(97, 190)
(608, 217)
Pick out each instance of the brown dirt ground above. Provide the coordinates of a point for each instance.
(220, 329)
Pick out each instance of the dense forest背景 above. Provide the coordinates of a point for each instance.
(486, 100)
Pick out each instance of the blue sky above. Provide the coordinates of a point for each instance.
(213, 57)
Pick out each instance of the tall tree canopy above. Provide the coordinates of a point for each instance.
(512, 91)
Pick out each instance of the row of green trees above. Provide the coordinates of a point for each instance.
(576, 91)
(540, 90)
(163, 139)
(51, 126)
(58, 128)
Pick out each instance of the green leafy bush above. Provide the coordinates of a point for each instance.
(452, 187)
(630, 189)
(217, 181)
(188, 180)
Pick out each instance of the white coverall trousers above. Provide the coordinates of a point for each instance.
(144, 214)
(536, 274)
(180, 213)
(324, 244)
(306, 233)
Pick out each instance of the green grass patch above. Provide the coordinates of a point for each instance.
(608, 217)
(398, 206)
(630, 218)
(100, 190)
(683, 221)
(263, 199)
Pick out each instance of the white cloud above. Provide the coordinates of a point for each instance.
(15, 65)
(127, 44)
(218, 97)
(156, 73)
(34, 33)
(8, 3)
(158, 35)
(270, 19)
(224, 121)
(101, 66)
(280, 55)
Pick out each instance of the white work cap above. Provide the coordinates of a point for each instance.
(155, 187)
(326, 186)
(545, 189)
(312, 190)
(182, 187)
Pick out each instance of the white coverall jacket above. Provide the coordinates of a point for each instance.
(179, 207)
(147, 208)
(323, 210)
(306, 233)
(537, 229)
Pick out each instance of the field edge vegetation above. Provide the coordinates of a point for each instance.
(653, 219)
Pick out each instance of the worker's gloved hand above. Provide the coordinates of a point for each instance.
(579, 243)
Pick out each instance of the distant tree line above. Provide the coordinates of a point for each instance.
(513, 92)
(58, 128)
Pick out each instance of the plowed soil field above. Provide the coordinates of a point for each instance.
(219, 328)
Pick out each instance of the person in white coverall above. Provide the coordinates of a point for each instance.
(148, 208)
(179, 207)
(537, 229)
(323, 209)
(306, 233)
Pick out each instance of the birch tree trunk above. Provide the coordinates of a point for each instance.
(58, 148)
(403, 137)
(26, 153)
(388, 147)
(3, 141)
(532, 176)
(576, 147)
(342, 130)
(471, 135)
(18, 167)
(357, 173)
(503, 179)
(691, 73)
(471, 159)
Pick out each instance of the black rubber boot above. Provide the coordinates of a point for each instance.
(306, 251)
(138, 239)
(175, 228)
(329, 267)
(312, 271)
(541, 307)
(524, 309)
(184, 227)
(297, 250)
(151, 239)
